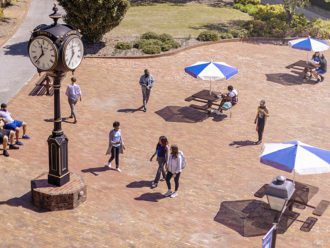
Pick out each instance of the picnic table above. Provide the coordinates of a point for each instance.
(205, 97)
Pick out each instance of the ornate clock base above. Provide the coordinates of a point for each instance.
(48, 197)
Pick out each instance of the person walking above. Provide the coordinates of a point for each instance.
(146, 81)
(73, 92)
(260, 120)
(175, 164)
(162, 151)
(116, 145)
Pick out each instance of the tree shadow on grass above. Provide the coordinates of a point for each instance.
(287, 79)
(24, 201)
(214, 3)
(93, 48)
(252, 217)
(152, 197)
(222, 27)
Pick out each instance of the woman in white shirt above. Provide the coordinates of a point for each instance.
(174, 168)
(116, 145)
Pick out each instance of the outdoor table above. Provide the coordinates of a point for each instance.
(204, 96)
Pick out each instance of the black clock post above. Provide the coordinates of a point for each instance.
(49, 48)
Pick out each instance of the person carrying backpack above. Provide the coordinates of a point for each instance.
(175, 164)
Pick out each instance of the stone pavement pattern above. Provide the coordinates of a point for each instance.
(120, 210)
(16, 68)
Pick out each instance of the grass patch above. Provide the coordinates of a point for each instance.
(176, 20)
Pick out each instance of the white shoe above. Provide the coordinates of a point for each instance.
(168, 193)
(109, 165)
(118, 169)
(217, 112)
(175, 194)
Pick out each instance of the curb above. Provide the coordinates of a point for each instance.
(263, 40)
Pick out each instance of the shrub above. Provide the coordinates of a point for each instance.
(249, 8)
(165, 37)
(122, 45)
(94, 18)
(151, 49)
(149, 36)
(245, 2)
(239, 33)
(208, 36)
(226, 36)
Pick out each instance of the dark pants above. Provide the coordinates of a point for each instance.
(260, 127)
(176, 180)
(161, 169)
(145, 95)
(72, 104)
(115, 155)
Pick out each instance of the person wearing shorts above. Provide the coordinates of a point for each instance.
(6, 136)
(12, 124)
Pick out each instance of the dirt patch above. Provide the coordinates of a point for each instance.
(13, 17)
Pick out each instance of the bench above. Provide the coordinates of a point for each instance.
(40, 87)
(321, 207)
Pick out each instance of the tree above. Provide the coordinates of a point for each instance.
(291, 5)
(94, 17)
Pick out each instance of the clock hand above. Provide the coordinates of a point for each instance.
(42, 54)
(71, 57)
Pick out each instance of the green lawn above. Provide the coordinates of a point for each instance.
(177, 20)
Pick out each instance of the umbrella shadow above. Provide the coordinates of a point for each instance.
(252, 217)
(151, 197)
(241, 143)
(287, 79)
(182, 114)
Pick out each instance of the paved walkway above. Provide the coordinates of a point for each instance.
(16, 68)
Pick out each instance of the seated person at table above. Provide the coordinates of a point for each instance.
(314, 62)
(228, 100)
(5, 136)
(12, 124)
(320, 70)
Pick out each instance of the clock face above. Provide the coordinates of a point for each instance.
(73, 53)
(43, 53)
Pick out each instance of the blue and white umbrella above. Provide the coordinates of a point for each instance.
(309, 44)
(296, 156)
(211, 71)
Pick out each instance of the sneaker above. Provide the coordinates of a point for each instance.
(258, 142)
(5, 153)
(322, 78)
(19, 143)
(13, 147)
(118, 169)
(217, 112)
(25, 136)
(168, 193)
(154, 185)
(144, 109)
(175, 194)
(109, 165)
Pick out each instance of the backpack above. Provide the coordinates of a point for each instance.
(184, 162)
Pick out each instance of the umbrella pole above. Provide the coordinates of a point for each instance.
(294, 176)
(210, 86)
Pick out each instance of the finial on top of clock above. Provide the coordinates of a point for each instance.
(55, 16)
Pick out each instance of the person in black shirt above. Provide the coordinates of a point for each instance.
(260, 120)
(162, 154)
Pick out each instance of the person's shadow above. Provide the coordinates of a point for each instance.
(240, 143)
(96, 170)
(152, 197)
(130, 110)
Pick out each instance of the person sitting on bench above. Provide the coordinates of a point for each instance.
(320, 70)
(12, 124)
(5, 137)
(228, 100)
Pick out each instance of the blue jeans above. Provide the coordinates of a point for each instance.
(161, 169)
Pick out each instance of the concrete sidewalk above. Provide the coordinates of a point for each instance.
(16, 67)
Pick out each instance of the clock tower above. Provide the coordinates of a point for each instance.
(56, 49)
